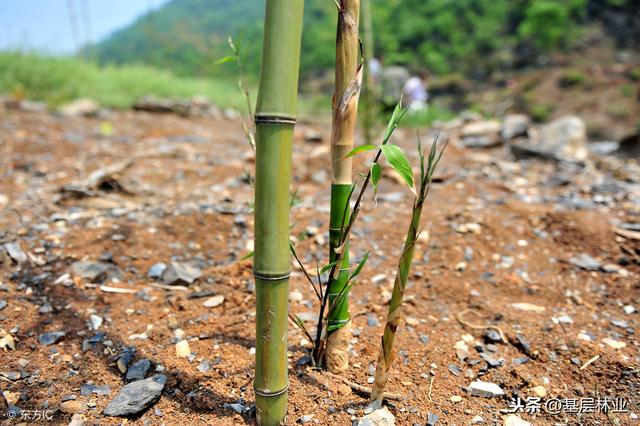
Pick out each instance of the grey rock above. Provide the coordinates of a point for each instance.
(379, 417)
(180, 273)
(89, 389)
(492, 335)
(156, 270)
(432, 419)
(139, 370)
(454, 369)
(97, 272)
(484, 389)
(3, 304)
(15, 252)
(136, 396)
(565, 137)
(522, 343)
(586, 262)
(491, 361)
(514, 125)
(51, 337)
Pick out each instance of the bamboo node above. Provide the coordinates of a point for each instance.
(267, 394)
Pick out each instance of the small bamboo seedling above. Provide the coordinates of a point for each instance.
(394, 315)
(274, 120)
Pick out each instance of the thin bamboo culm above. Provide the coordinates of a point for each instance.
(274, 119)
(348, 80)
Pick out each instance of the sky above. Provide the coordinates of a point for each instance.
(58, 26)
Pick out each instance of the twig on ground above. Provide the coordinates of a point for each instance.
(591, 361)
(479, 327)
(364, 389)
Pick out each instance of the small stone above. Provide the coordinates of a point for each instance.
(523, 344)
(344, 389)
(628, 309)
(485, 389)
(139, 370)
(527, 307)
(462, 350)
(51, 337)
(372, 320)
(476, 420)
(454, 369)
(563, 319)
(136, 396)
(492, 336)
(96, 321)
(380, 417)
(432, 419)
(513, 420)
(156, 270)
(540, 391)
(586, 262)
(15, 252)
(615, 344)
(180, 273)
(89, 389)
(182, 349)
(77, 420)
(465, 228)
(305, 419)
(214, 301)
(73, 407)
(456, 398)
(97, 272)
(124, 359)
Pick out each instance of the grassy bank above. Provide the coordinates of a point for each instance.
(59, 80)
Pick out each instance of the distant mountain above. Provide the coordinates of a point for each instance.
(466, 36)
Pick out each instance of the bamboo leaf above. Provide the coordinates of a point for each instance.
(398, 160)
(326, 267)
(224, 60)
(248, 256)
(361, 148)
(358, 269)
(395, 119)
(376, 173)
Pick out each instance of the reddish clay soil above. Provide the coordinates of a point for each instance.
(189, 200)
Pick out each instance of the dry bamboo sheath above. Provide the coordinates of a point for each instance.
(274, 119)
(348, 80)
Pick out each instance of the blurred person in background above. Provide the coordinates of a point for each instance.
(414, 92)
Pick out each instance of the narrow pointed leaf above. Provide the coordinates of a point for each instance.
(358, 269)
(398, 160)
(326, 267)
(224, 60)
(376, 173)
(361, 148)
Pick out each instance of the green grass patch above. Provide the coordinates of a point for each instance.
(59, 80)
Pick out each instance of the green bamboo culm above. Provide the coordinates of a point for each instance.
(348, 79)
(274, 119)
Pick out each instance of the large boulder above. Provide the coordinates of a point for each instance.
(565, 136)
(481, 134)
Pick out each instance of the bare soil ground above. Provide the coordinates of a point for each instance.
(189, 200)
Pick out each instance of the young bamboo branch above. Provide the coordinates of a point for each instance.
(394, 315)
(274, 120)
(348, 79)
(345, 231)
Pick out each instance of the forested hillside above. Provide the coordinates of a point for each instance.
(468, 36)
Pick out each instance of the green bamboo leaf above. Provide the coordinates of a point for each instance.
(376, 173)
(395, 119)
(398, 160)
(326, 267)
(361, 148)
(358, 269)
(224, 60)
(248, 256)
